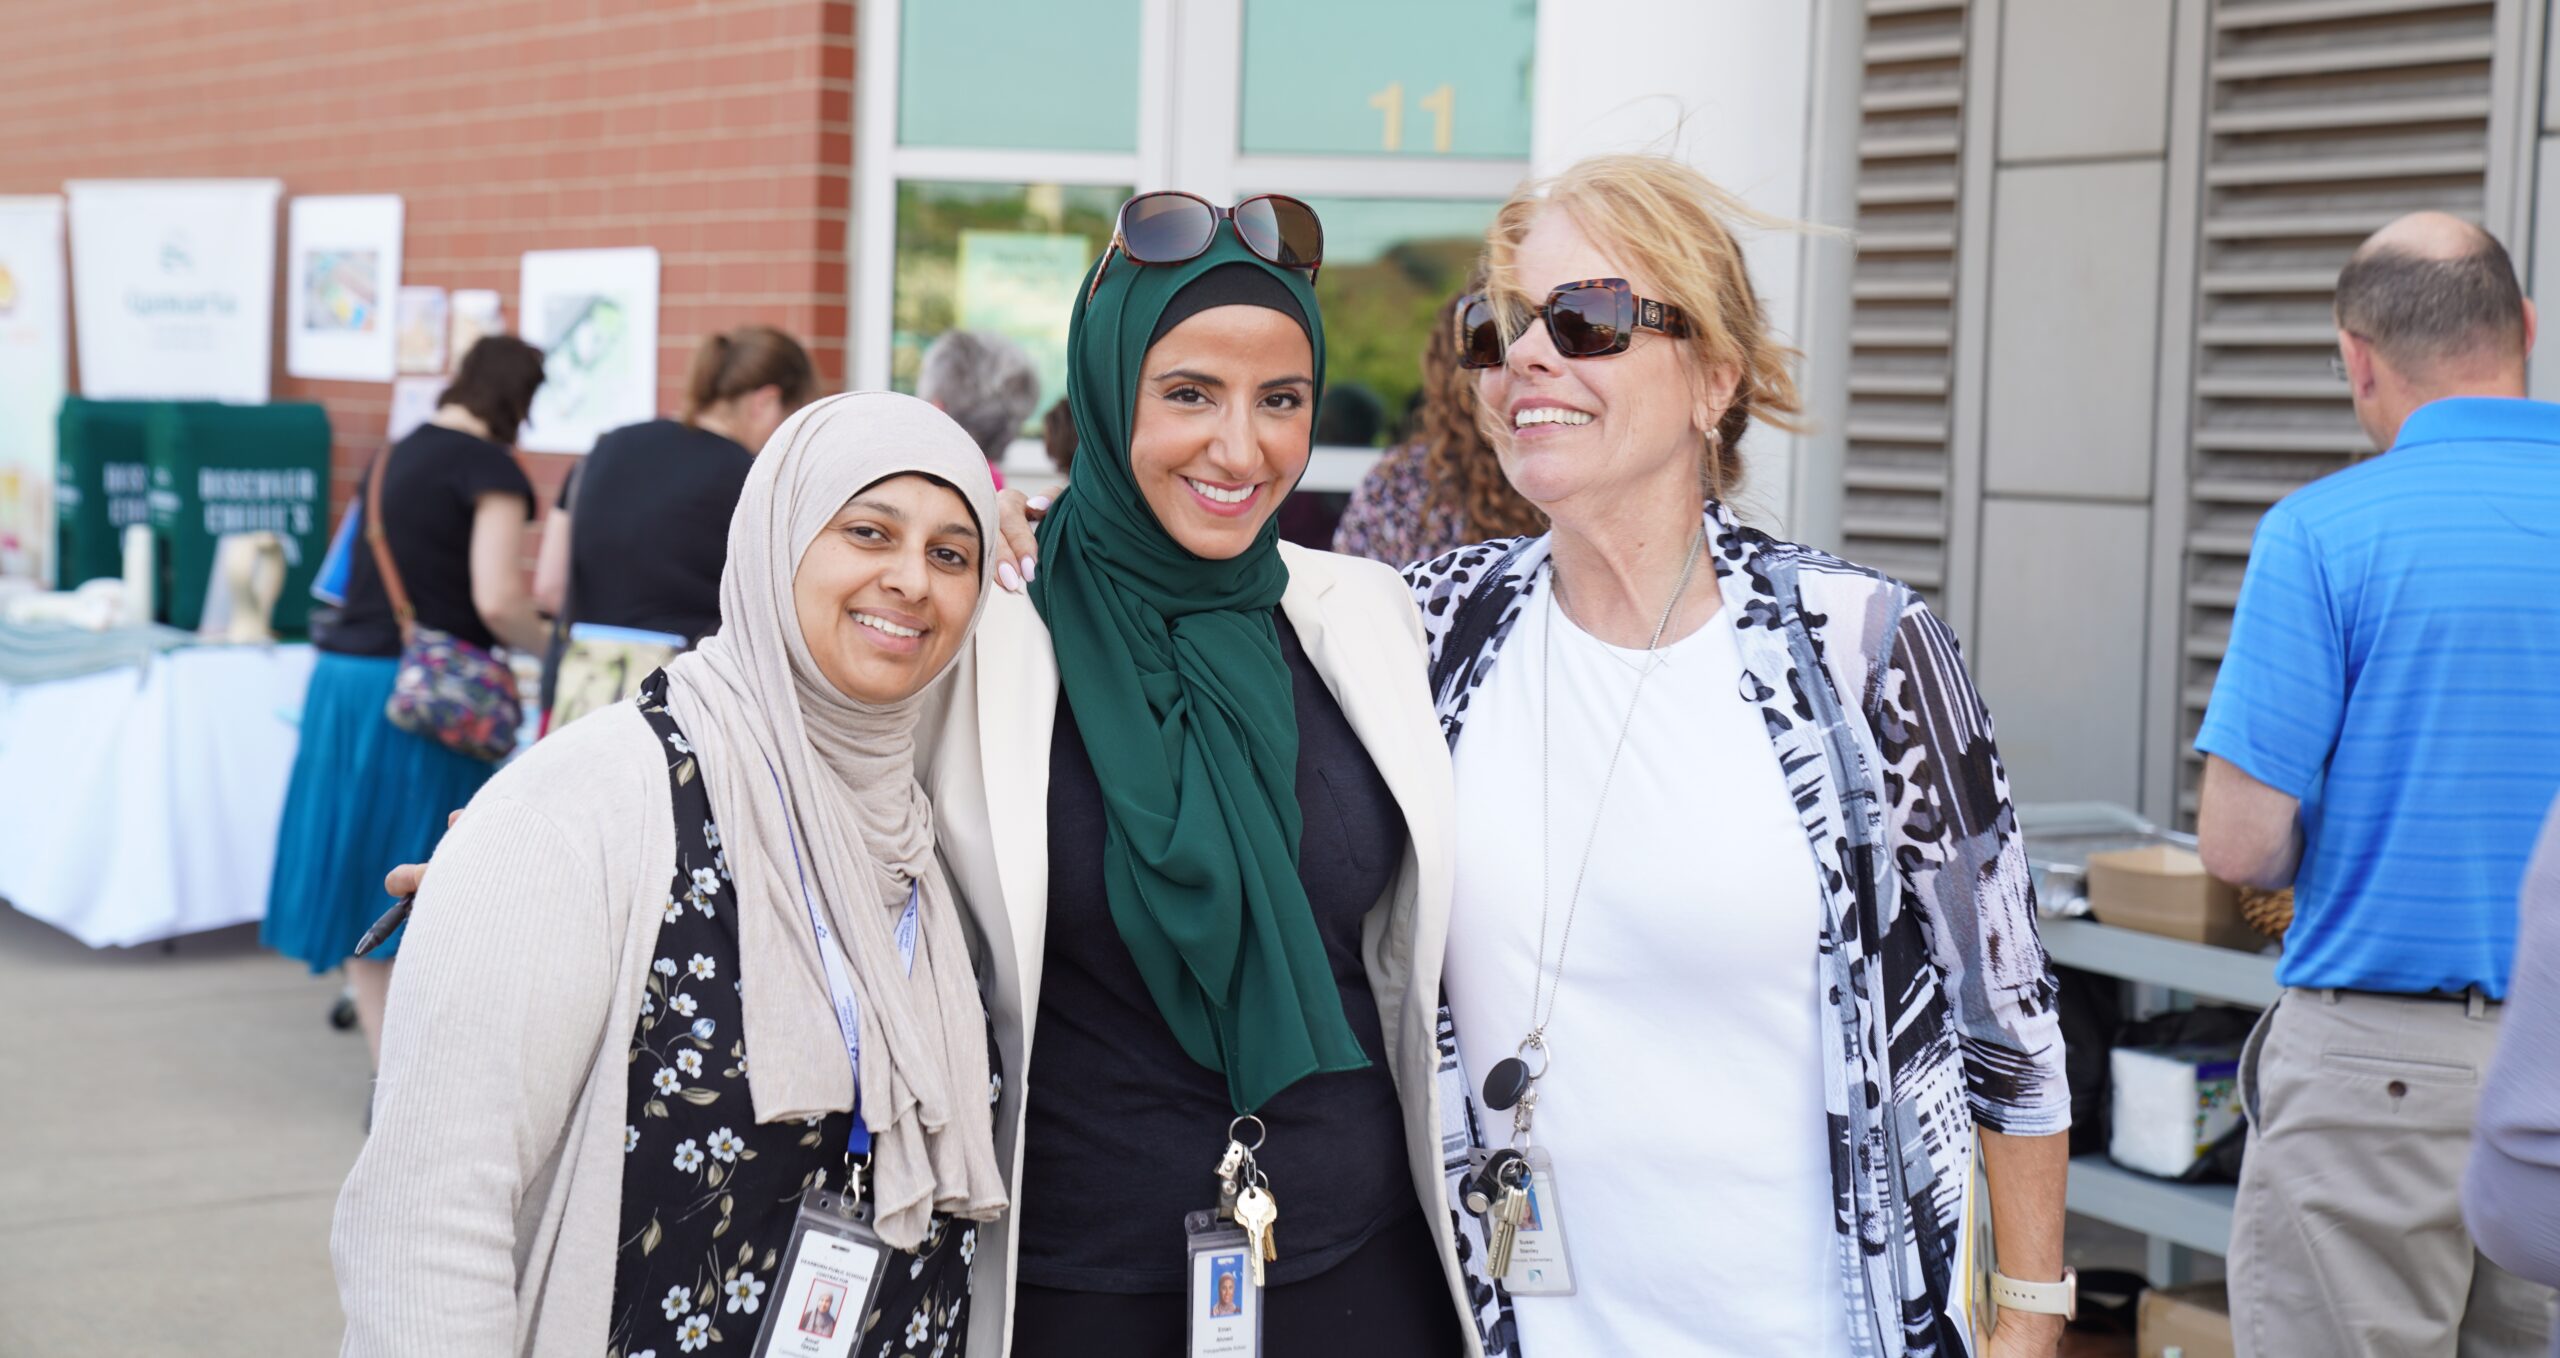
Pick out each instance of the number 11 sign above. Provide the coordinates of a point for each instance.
(1421, 77)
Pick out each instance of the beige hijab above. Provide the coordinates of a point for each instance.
(810, 786)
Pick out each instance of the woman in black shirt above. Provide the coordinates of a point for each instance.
(1217, 816)
(650, 506)
(454, 510)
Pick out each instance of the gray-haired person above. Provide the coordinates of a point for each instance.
(2384, 736)
(986, 384)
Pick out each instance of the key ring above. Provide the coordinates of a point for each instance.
(1536, 1041)
(1259, 1132)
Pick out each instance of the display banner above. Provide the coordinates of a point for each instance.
(217, 470)
(34, 369)
(102, 486)
(342, 281)
(174, 284)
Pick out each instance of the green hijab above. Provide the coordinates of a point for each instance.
(1173, 669)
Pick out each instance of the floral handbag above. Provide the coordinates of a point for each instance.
(447, 690)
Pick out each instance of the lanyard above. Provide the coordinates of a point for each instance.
(847, 1004)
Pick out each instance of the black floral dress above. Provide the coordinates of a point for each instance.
(708, 1194)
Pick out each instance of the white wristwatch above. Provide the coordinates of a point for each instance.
(2051, 1299)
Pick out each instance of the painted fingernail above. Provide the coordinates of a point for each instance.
(1006, 577)
(1040, 502)
(1030, 568)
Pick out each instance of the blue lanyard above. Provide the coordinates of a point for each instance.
(847, 1003)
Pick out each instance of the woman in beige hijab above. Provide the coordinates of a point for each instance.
(692, 958)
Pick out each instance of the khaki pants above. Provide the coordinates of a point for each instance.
(2348, 1239)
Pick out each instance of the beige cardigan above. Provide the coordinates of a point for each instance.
(480, 1220)
(986, 766)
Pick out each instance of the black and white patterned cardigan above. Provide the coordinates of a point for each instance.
(1937, 988)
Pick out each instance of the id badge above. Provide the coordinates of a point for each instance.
(830, 1276)
(1540, 1267)
(1224, 1317)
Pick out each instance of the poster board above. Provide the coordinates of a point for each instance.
(413, 403)
(475, 313)
(35, 359)
(342, 284)
(594, 315)
(173, 285)
(422, 330)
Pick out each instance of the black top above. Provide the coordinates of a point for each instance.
(649, 516)
(709, 1194)
(1124, 1131)
(432, 484)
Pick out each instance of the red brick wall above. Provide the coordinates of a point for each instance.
(719, 131)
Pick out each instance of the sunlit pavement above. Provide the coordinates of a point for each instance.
(174, 1126)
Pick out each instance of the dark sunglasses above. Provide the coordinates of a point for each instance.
(1594, 318)
(1170, 227)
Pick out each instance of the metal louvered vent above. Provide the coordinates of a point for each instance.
(2327, 118)
(1902, 324)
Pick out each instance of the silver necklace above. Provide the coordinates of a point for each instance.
(1511, 1083)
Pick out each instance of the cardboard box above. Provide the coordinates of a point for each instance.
(2168, 1105)
(2192, 1321)
(2163, 889)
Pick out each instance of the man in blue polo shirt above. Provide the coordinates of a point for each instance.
(2385, 736)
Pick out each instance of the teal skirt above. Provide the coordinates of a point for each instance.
(366, 797)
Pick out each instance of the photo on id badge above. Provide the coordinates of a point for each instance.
(825, 1308)
(1226, 1286)
(827, 1276)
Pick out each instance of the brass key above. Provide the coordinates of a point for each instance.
(1257, 1213)
(1509, 1210)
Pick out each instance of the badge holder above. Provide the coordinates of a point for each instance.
(1225, 1311)
(1224, 1252)
(830, 1278)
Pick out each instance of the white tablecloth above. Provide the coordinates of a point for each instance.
(141, 803)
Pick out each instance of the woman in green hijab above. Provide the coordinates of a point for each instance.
(1200, 772)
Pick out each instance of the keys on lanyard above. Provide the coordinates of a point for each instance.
(1512, 1190)
(1224, 1253)
(1244, 1197)
(1258, 1213)
(1499, 1193)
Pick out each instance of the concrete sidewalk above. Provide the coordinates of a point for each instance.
(174, 1125)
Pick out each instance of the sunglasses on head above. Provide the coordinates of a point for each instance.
(1170, 227)
(1594, 318)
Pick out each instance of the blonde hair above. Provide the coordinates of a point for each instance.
(1662, 218)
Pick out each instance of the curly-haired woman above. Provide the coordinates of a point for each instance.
(1443, 488)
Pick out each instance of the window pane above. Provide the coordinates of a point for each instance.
(1000, 257)
(1388, 265)
(1023, 74)
(1402, 77)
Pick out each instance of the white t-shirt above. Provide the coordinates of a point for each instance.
(1683, 1106)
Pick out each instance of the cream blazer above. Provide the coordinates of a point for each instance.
(986, 766)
